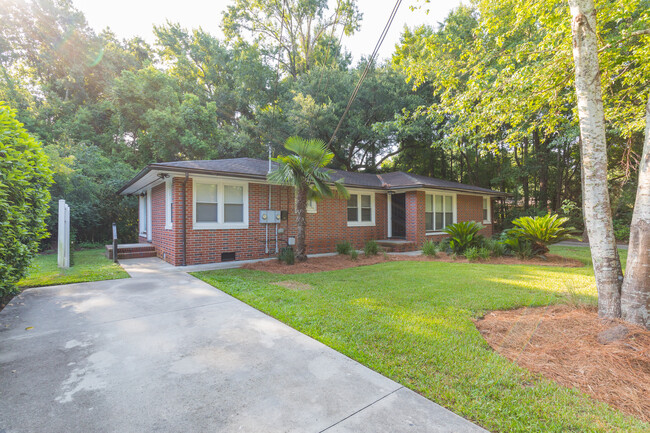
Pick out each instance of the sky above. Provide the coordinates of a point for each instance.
(128, 18)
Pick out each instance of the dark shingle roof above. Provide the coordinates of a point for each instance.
(258, 168)
(399, 179)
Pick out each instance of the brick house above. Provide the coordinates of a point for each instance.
(196, 212)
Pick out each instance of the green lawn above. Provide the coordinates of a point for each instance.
(89, 265)
(412, 321)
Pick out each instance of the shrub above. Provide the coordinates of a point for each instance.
(621, 230)
(354, 254)
(496, 247)
(471, 254)
(430, 248)
(463, 235)
(542, 231)
(371, 248)
(25, 177)
(517, 245)
(287, 256)
(484, 253)
(344, 247)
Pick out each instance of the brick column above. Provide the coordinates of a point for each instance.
(415, 227)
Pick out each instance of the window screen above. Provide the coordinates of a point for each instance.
(485, 209)
(428, 216)
(353, 208)
(366, 208)
(206, 203)
(233, 204)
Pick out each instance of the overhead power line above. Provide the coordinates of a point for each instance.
(371, 60)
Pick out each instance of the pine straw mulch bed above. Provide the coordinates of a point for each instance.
(562, 343)
(329, 263)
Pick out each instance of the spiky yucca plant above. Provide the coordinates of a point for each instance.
(542, 231)
(462, 235)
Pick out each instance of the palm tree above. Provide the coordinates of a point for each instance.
(305, 170)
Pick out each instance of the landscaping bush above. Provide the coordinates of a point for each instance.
(354, 254)
(496, 247)
(542, 231)
(471, 254)
(484, 253)
(430, 248)
(463, 235)
(25, 177)
(286, 255)
(371, 248)
(516, 245)
(344, 247)
(621, 230)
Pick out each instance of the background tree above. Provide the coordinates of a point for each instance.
(305, 170)
(293, 33)
(25, 177)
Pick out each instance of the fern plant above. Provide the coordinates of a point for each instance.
(542, 231)
(463, 235)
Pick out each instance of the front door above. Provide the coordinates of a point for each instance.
(398, 215)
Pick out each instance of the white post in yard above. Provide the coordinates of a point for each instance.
(64, 235)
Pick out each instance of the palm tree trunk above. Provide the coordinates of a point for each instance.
(635, 293)
(598, 215)
(301, 221)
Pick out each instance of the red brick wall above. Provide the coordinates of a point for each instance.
(415, 218)
(470, 208)
(325, 228)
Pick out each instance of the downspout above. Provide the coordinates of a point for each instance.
(266, 249)
(185, 219)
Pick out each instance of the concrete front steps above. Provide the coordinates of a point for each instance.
(397, 245)
(131, 251)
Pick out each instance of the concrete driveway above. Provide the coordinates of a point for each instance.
(165, 352)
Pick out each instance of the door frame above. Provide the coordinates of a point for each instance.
(390, 215)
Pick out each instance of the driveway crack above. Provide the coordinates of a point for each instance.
(362, 409)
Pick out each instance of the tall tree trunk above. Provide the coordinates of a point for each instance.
(301, 222)
(525, 177)
(598, 216)
(635, 294)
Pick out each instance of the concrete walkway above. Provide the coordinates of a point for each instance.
(165, 352)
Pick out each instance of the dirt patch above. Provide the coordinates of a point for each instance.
(329, 263)
(562, 343)
(293, 285)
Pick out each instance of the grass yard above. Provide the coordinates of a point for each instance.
(89, 265)
(412, 321)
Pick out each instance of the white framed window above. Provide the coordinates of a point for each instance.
(149, 216)
(361, 209)
(312, 206)
(169, 205)
(440, 211)
(487, 210)
(219, 203)
(143, 217)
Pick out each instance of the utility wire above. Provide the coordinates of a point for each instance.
(367, 68)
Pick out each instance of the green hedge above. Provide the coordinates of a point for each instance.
(25, 177)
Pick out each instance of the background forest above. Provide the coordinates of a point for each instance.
(486, 98)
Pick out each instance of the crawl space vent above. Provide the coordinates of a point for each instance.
(228, 257)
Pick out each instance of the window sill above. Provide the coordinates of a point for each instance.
(169, 227)
(487, 222)
(435, 233)
(361, 224)
(219, 226)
